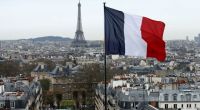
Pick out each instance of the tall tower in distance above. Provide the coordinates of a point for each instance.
(79, 39)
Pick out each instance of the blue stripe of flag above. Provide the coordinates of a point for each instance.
(114, 31)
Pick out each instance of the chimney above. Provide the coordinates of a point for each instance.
(1, 88)
(42, 66)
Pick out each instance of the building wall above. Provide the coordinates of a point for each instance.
(156, 79)
(180, 104)
(118, 83)
(98, 104)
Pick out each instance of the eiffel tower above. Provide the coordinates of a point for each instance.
(79, 39)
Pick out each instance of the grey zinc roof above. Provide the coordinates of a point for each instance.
(153, 96)
(39, 69)
(133, 95)
(9, 87)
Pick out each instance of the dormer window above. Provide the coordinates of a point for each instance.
(174, 97)
(182, 97)
(194, 96)
(166, 97)
(188, 97)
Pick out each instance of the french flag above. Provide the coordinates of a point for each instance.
(133, 35)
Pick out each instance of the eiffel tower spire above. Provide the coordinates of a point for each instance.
(79, 39)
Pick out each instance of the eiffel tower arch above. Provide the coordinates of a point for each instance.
(79, 39)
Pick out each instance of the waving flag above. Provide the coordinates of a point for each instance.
(133, 35)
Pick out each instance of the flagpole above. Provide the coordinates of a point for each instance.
(105, 103)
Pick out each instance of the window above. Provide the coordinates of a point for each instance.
(175, 105)
(188, 105)
(195, 105)
(182, 97)
(12, 104)
(175, 97)
(133, 105)
(166, 97)
(181, 105)
(188, 97)
(166, 106)
(123, 104)
(194, 96)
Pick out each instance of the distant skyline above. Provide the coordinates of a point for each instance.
(23, 19)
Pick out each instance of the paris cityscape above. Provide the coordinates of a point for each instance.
(62, 73)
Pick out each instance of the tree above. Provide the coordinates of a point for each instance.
(94, 73)
(45, 83)
(9, 68)
(48, 96)
(28, 68)
(58, 99)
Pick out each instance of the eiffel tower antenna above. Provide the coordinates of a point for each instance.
(79, 39)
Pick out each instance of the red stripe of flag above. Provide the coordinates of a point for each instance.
(152, 32)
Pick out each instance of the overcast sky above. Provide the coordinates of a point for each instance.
(35, 18)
